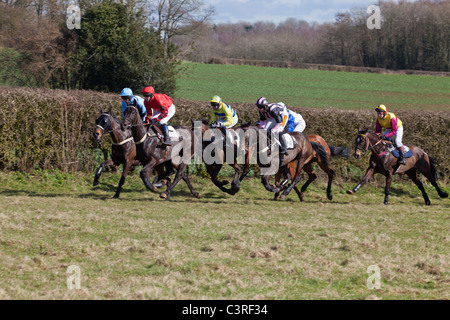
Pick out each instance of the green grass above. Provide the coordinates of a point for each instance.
(312, 88)
(217, 247)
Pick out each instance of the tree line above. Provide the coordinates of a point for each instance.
(412, 35)
(117, 44)
(140, 42)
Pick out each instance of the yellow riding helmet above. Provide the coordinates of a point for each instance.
(216, 99)
(381, 108)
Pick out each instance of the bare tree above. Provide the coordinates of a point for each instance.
(178, 17)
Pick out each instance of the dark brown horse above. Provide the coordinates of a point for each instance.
(123, 149)
(233, 146)
(323, 162)
(382, 161)
(152, 153)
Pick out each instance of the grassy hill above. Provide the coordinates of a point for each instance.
(313, 88)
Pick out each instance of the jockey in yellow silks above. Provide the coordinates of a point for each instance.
(393, 127)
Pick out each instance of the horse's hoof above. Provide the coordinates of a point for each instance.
(330, 197)
(163, 195)
(116, 196)
(95, 183)
(444, 195)
(198, 195)
(350, 192)
(282, 197)
(427, 203)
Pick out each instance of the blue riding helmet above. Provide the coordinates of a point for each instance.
(126, 92)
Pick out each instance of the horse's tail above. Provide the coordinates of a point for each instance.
(433, 168)
(339, 151)
(323, 155)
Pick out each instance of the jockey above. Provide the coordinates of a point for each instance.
(273, 118)
(129, 99)
(163, 107)
(222, 115)
(295, 121)
(393, 125)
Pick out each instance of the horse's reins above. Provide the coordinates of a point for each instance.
(370, 146)
(106, 132)
(148, 134)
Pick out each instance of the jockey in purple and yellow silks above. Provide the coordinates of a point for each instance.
(394, 128)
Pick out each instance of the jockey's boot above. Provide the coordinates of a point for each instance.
(401, 158)
(165, 130)
(224, 132)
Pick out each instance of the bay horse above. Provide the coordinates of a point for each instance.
(123, 150)
(323, 162)
(152, 153)
(382, 161)
(214, 168)
(301, 153)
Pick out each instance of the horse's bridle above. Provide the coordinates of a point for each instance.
(368, 145)
(106, 132)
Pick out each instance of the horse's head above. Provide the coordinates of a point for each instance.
(131, 116)
(103, 124)
(362, 143)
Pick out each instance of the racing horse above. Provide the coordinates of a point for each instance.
(382, 161)
(302, 152)
(214, 168)
(123, 147)
(322, 161)
(123, 151)
(151, 152)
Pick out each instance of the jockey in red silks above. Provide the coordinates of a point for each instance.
(162, 109)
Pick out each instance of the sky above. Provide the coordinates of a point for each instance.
(232, 11)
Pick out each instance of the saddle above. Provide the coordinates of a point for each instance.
(173, 134)
(393, 150)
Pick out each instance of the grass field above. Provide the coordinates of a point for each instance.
(217, 247)
(313, 89)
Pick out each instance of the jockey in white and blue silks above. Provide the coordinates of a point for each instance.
(295, 121)
(129, 99)
(273, 118)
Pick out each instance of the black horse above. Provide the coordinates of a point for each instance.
(152, 153)
(223, 144)
(382, 161)
(123, 149)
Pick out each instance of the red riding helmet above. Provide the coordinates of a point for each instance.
(148, 90)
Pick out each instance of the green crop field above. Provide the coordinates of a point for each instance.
(313, 89)
(217, 247)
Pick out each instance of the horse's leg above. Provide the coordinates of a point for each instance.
(296, 179)
(126, 169)
(387, 188)
(213, 170)
(412, 173)
(237, 171)
(311, 177)
(100, 169)
(367, 176)
(330, 172)
(431, 177)
(146, 173)
(180, 172)
(191, 188)
(163, 176)
(267, 185)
